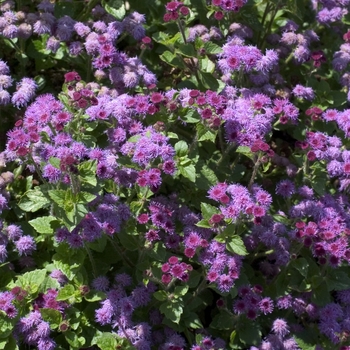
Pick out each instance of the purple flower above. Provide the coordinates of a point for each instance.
(25, 245)
(306, 93)
(100, 283)
(266, 305)
(59, 276)
(53, 44)
(81, 29)
(280, 327)
(4, 68)
(25, 92)
(285, 188)
(5, 97)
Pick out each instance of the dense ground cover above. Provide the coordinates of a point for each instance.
(175, 175)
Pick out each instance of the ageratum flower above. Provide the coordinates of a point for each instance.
(25, 92)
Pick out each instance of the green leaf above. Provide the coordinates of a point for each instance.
(246, 151)
(11, 344)
(301, 265)
(305, 339)
(160, 295)
(52, 316)
(208, 210)
(32, 280)
(212, 48)
(33, 200)
(74, 340)
(181, 148)
(172, 310)
(338, 280)
(66, 293)
(203, 223)
(192, 116)
(180, 290)
(6, 325)
(186, 50)
(206, 65)
(158, 252)
(205, 133)
(55, 162)
(87, 172)
(59, 197)
(209, 174)
(172, 59)
(128, 241)
(115, 8)
(222, 321)
(320, 295)
(236, 245)
(249, 333)
(189, 172)
(192, 320)
(99, 245)
(105, 341)
(85, 197)
(45, 224)
(208, 81)
(93, 296)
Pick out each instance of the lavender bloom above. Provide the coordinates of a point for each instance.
(75, 48)
(65, 27)
(25, 245)
(81, 29)
(46, 6)
(4, 68)
(280, 327)
(3, 253)
(13, 232)
(25, 92)
(326, 16)
(100, 283)
(59, 276)
(10, 31)
(44, 24)
(285, 188)
(5, 97)
(5, 81)
(52, 44)
(306, 93)
(24, 30)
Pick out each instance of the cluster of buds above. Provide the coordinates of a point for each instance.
(318, 57)
(174, 269)
(175, 9)
(82, 97)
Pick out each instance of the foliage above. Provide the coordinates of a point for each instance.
(174, 175)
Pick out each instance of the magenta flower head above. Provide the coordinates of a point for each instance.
(71, 76)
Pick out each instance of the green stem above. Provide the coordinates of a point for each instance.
(267, 10)
(37, 169)
(94, 270)
(182, 30)
(87, 12)
(115, 246)
(255, 170)
(268, 30)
